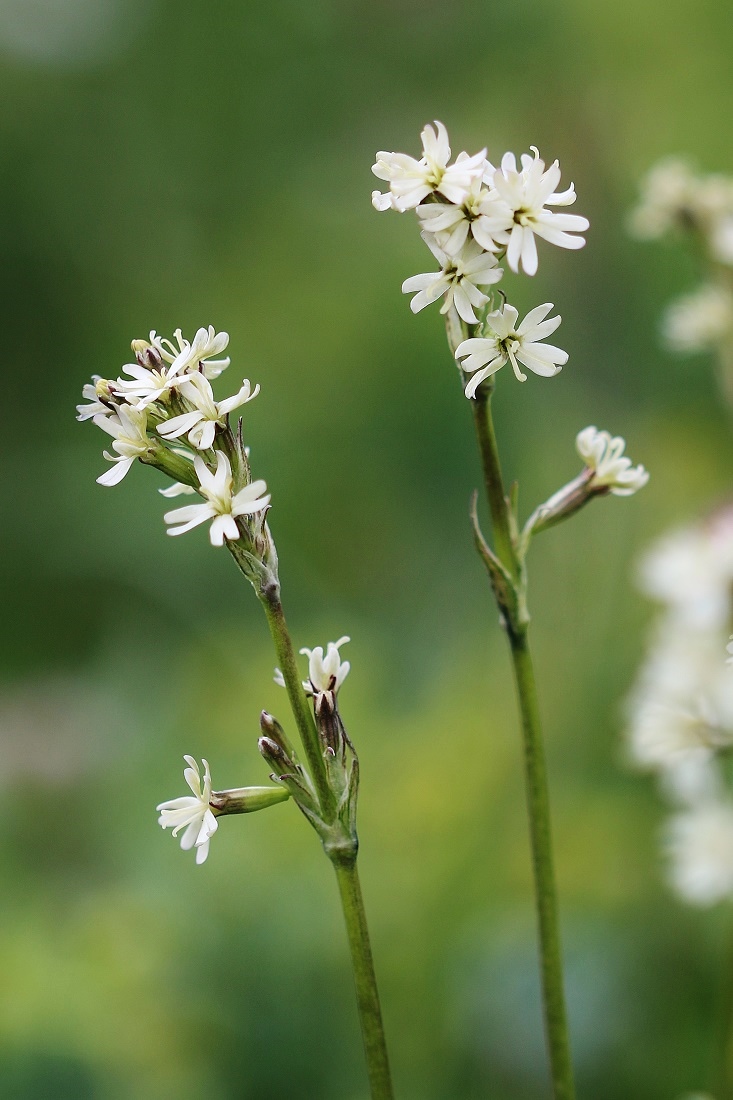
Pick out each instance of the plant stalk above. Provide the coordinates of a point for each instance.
(288, 664)
(538, 800)
(367, 995)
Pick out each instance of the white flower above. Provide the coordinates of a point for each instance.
(459, 280)
(508, 342)
(325, 674)
(451, 224)
(668, 194)
(128, 425)
(525, 194)
(221, 506)
(413, 180)
(612, 470)
(699, 844)
(192, 812)
(94, 391)
(153, 382)
(691, 571)
(189, 357)
(200, 422)
(700, 320)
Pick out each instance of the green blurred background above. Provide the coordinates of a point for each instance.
(209, 163)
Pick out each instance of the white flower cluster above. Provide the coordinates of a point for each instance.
(681, 709)
(674, 197)
(472, 214)
(164, 412)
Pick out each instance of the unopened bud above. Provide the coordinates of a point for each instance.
(103, 390)
(273, 731)
(245, 800)
(147, 355)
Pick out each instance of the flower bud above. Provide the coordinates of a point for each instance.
(273, 731)
(147, 355)
(245, 800)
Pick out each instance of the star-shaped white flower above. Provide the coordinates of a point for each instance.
(326, 673)
(459, 279)
(128, 425)
(507, 342)
(221, 505)
(190, 356)
(201, 421)
(151, 380)
(412, 180)
(521, 212)
(612, 470)
(192, 812)
(451, 224)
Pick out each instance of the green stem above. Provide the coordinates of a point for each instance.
(538, 805)
(538, 800)
(493, 481)
(298, 702)
(367, 996)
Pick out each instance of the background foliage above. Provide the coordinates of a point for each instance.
(169, 165)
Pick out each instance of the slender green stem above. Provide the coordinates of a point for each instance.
(493, 481)
(538, 801)
(367, 996)
(538, 805)
(299, 704)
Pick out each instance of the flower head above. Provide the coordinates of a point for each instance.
(128, 426)
(507, 342)
(222, 506)
(326, 673)
(458, 279)
(200, 422)
(412, 180)
(451, 224)
(188, 356)
(192, 812)
(612, 470)
(699, 321)
(520, 212)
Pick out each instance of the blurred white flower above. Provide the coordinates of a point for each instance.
(458, 280)
(699, 845)
(668, 194)
(508, 342)
(326, 673)
(412, 180)
(521, 212)
(612, 470)
(691, 571)
(221, 505)
(200, 422)
(129, 427)
(192, 812)
(699, 321)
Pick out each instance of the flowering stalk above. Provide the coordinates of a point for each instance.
(165, 414)
(473, 215)
(515, 619)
